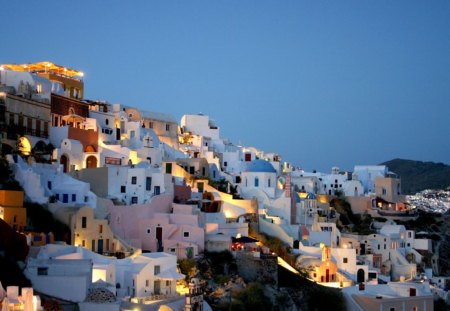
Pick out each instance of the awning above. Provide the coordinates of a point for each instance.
(170, 275)
(72, 118)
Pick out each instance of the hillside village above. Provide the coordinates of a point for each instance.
(143, 195)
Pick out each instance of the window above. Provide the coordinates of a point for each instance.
(147, 283)
(268, 183)
(74, 197)
(225, 163)
(100, 228)
(83, 222)
(122, 189)
(172, 250)
(345, 260)
(83, 243)
(392, 309)
(106, 121)
(256, 182)
(42, 271)
(167, 127)
(134, 180)
(186, 234)
(168, 168)
(157, 270)
(148, 230)
(134, 200)
(49, 185)
(150, 124)
(93, 246)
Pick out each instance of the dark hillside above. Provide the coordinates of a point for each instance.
(417, 175)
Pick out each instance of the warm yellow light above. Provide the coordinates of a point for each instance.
(238, 236)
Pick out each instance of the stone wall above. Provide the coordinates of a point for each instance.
(258, 267)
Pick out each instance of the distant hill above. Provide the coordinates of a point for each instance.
(418, 175)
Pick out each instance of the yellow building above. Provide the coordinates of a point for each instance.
(326, 272)
(12, 210)
(91, 233)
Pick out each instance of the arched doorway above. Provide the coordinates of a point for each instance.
(360, 276)
(91, 162)
(65, 162)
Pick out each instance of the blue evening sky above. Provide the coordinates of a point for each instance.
(322, 83)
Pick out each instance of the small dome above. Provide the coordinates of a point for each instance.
(260, 166)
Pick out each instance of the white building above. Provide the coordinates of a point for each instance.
(259, 175)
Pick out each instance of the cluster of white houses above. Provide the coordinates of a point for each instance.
(127, 180)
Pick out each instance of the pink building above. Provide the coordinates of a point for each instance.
(160, 226)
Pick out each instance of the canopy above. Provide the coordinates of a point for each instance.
(72, 118)
(170, 275)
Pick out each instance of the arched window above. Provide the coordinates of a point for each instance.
(256, 182)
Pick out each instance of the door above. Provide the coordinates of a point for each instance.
(117, 133)
(168, 168)
(65, 198)
(65, 162)
(157, 190)
(91, 162)
(200, 187)
(327, 275)
(363, 249)
(159, 239)
(157, 287)
(100, 246)
(360, 276)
